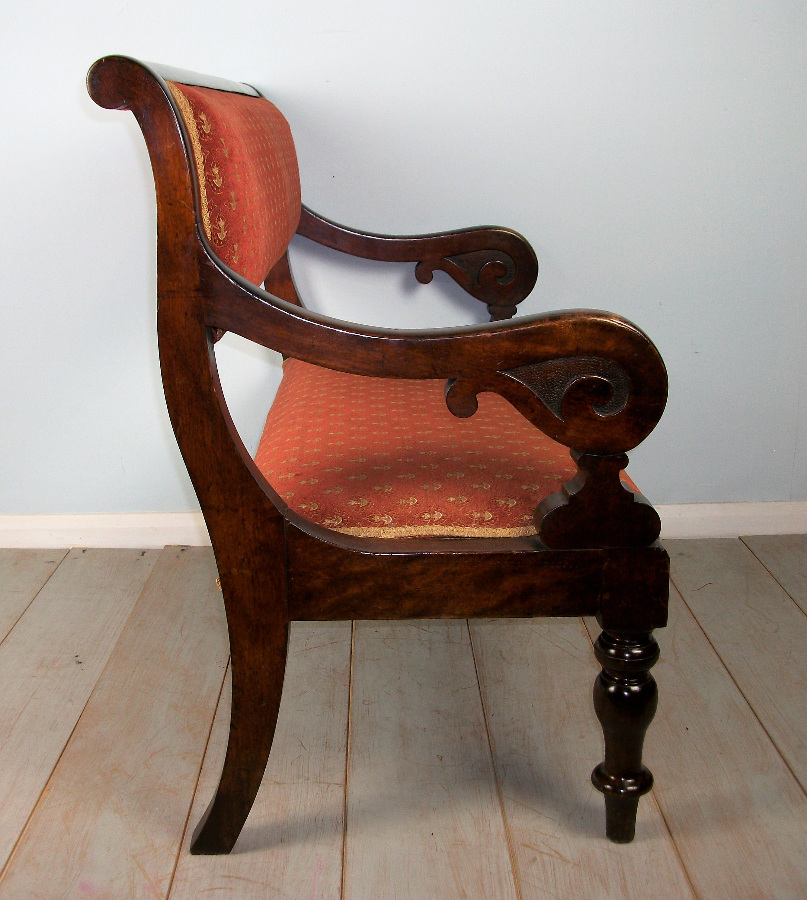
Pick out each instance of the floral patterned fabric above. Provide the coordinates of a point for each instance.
(383, 457)
(248, 177)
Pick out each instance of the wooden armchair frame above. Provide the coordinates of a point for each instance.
(590, 380)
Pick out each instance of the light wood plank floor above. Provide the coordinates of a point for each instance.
(438, 759)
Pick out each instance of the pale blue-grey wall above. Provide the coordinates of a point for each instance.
(654, 154)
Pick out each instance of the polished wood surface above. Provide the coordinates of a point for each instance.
(494, 265)
(625, 700)
(589, 379)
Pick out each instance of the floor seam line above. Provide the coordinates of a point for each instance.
(739, 689)
(506, 825)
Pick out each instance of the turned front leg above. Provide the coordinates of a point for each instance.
(625, 700)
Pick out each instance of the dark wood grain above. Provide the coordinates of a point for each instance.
(625, 700)
(494, 265)
(589, 379)
(245, 526)
(596, 509)
(473, 358)
(410, 578)
(280, 282)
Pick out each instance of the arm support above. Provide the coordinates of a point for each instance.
(495, 265)
(590, 380)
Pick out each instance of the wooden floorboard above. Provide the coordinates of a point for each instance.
(115, 809)
(466, 769)
(785, 557)
(49, 664)
(292, 843)
(736, 813)
(536, 677)
(423, 815)
(757, 630)
(22, 575)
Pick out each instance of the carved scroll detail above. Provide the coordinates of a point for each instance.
(585, 403)
(494, 265)
(581, 401)
(491, 276)
(551, 380)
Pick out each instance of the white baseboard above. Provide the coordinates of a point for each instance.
(147, 530)
(696, 520)
(143, 530)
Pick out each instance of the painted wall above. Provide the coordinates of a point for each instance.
(654, 154)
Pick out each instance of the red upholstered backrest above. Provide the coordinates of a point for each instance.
(248, 177)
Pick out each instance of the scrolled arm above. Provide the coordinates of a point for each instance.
(494, 265)
(588, 398)
(590, 380)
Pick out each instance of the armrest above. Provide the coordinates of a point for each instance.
(494, 265)
(588, 379)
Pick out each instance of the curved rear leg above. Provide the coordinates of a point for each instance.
(258, 625)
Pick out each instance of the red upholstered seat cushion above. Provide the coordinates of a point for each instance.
(249, 183)
(382, 457)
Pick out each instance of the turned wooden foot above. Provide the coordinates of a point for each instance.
(625, 700)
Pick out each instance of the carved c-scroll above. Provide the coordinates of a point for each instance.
(582, 401)
(585, 403)
(551, 380)
(491, 276)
